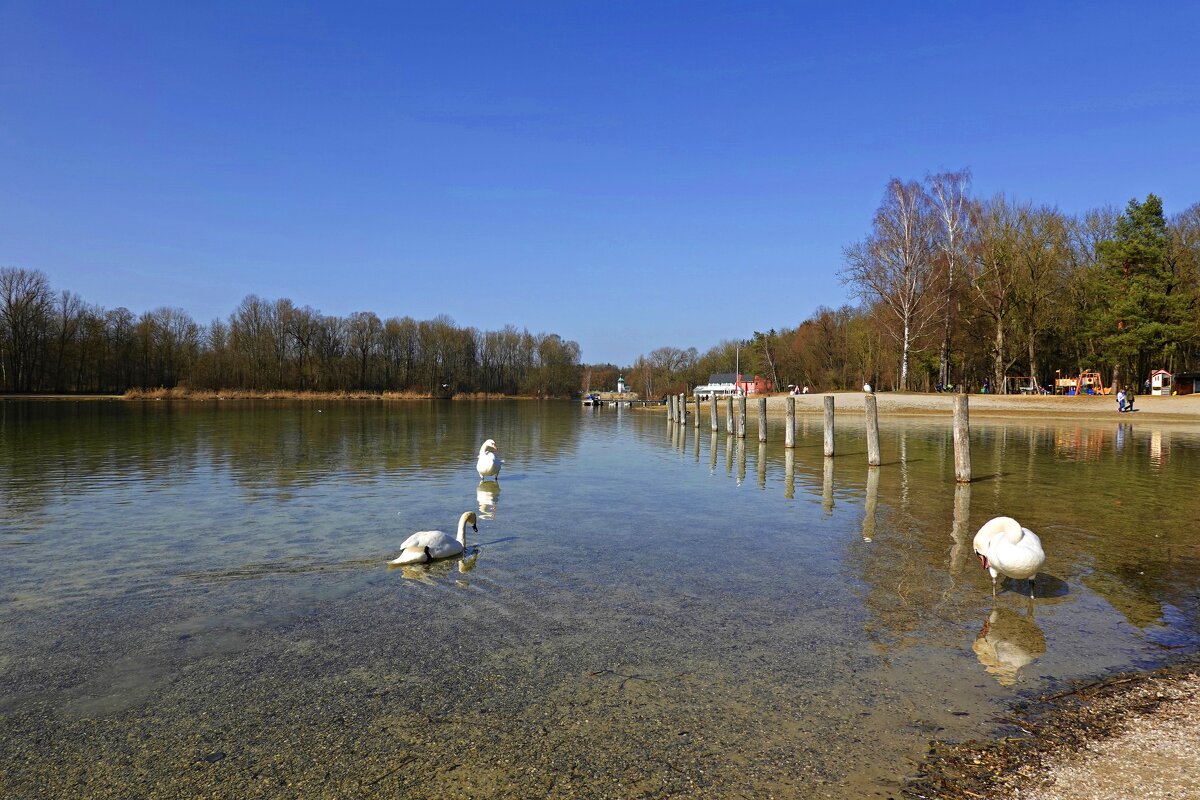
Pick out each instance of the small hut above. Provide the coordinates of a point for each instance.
(1187, 382)
(1160, 382)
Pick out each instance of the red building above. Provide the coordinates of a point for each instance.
(754, 385)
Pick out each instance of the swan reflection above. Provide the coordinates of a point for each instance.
(1007, 642)
(435, 571)
(485, 495)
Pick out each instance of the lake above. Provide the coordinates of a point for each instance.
(194, 598)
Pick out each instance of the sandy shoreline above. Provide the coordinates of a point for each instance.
(1185, 408)
(1129, 735)
(989, 405)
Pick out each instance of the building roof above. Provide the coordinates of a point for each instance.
(722, 377)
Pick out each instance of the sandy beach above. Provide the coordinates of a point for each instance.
(1185, 408)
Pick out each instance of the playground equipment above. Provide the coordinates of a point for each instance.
(1084, 383)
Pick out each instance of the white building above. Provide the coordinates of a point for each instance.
(721, 384)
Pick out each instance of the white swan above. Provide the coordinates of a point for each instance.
(1005, 548)
(488, 465)
(425, 546)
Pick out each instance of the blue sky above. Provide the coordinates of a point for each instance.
(626, 174)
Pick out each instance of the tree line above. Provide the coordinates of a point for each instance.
(953, 290)
(53, 341)
(956, 290)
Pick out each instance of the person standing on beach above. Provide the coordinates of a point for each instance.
(1120, 400)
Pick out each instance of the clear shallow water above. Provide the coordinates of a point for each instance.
(193, 598)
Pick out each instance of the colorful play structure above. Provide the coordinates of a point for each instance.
(1083, 383)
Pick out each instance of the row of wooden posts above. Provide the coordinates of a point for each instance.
(735, 424)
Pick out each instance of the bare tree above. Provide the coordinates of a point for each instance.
(950, 195)
(366, 333)
(994, 276)
(894, 266)
(26, 306)
(1042, 248)
(68, 314)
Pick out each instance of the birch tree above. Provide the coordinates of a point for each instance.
(894, 266)
(950, 195)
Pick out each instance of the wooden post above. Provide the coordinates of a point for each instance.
(741, 418)
(762, 419)
(696, 421)
(682, 407)
(712, 411)
(962, 440)
(872, 430)
(729, 417)
(828, 425)
(670, 408)
(789, 427)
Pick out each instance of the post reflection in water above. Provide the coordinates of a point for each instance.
(485, 495)
(729, 440)
(1007, 642)
(712, 453)
(740, 446)
(827, 486)
(960, 532)
(789, 473)
(696, 447)
(762, 465)
(869, 504)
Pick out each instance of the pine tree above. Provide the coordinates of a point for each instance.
(1142, 319)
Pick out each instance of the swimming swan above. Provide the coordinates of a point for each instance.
(425, 546)
(1005, 548)
(488, 466)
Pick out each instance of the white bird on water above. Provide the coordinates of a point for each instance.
(1006, 548)
(425, 546)
(488, 465)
